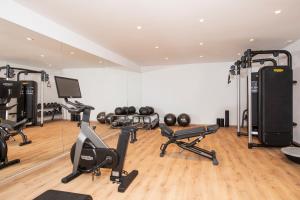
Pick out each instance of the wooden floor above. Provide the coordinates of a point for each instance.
(242, 173)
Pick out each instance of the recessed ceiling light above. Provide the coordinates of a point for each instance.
(100, 62)
(277, 12)
(166, 58)
(72, 52)
(42, 55)
(201, 43)
(239, 54)
(139, 27)
(289, 41)
(201, 56)
(29, 38)
(201, 20)
(251, 40)
(156, 47)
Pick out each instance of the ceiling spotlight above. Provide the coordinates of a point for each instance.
(166, 58)
(201, 43)
(239, 54)
(251, 40)
(72, 53)
(201, 20)
(277, 12)
(201, 56)
(139, 27)
(42, 55)
(29, 38)
(100, 62)
(156, 47)
(289, 41)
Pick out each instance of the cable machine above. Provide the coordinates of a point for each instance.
(272, 113)
(10, 73)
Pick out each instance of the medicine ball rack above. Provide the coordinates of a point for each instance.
(138, 121)
(147, 122)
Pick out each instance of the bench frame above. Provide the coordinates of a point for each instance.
(190, 146)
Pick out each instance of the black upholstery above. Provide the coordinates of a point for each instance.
(181, 134)
(60, 195)
(166, 131)
(212, 128)
(189, 133)
(11, 125)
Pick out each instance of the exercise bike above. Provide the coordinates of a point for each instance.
(89, 154)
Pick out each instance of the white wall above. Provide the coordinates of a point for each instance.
(201, 90)
(107, 88)
(295, 50)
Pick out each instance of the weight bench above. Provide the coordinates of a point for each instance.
(61, 195)
(12, 129)
(199, 133)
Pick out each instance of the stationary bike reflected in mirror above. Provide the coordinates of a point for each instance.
(89, 154)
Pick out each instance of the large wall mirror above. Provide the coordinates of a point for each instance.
(32, 61)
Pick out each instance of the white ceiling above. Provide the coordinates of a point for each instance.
(15, 48)
(174, 26)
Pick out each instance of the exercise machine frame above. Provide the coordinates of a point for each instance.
(10, 73)
(246, 63)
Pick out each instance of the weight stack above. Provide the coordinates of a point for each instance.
(27, 102)
(275, 106)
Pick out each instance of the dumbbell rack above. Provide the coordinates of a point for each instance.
(51, 112)
(139, 121)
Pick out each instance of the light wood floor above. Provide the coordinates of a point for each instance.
(242, 173)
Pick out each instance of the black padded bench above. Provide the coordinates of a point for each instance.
(199, 132)
(13, 128)
(61, 195)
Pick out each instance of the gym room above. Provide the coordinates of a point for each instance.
(143, 99)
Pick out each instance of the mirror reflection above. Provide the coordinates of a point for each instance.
(35, 129)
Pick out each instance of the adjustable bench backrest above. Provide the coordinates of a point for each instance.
(166, 131)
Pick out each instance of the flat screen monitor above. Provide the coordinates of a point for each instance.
(67, 87)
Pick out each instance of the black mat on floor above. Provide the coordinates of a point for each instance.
(61, 195)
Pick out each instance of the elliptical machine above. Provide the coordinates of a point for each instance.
(90, 153)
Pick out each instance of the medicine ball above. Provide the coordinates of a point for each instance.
(108, 118)
(150, 110)
(125, 110)
(119, 111)
(170, 119)
(101, 117)
(131, 110)
(183, 119)
(143, 111)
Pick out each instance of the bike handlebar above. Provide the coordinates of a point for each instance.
(77, 107)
